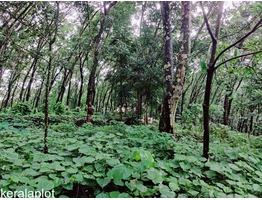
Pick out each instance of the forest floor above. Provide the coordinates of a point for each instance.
(116, 160)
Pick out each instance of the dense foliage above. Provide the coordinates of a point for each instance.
(117, 160)
(80, 82)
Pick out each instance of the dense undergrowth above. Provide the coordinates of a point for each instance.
(117, 160)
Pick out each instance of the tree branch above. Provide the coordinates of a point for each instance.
(214, 40)
(241, 39)
(247, 54)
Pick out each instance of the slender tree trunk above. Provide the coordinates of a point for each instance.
(139, 105)
(38, 94)
(51, 42)
(226, 108)
(13, 78)
(23, 84)
(97, 48)
(69, 90)
(13, 95)
(81, 66)
(210, 74)
(179, 78)
(165, 121)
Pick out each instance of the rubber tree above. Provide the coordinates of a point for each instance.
(164, 124)
(52, 35)
(212, 67)
(179, 78)
(97, 48)
(174, 82)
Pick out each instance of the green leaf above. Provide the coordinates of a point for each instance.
(45, 185)
(193, 193)
(88, 159)
(147, 159)
(203, 65)
(72, 170)
(124, 195)
(114, 194)
(112, 162)
(120, 172)
(141, 187)
(78, 178)
(30, 172)
(185, 182)
(185, 166)
(68, 186)
(173, 184)
(166, 192)
(102, 195)
(78, 161)
(136, 156)
(57, 166)
(257, 188)
(103, 181)
(155, 175)
(234, 167)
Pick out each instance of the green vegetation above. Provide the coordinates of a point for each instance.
(129, 161)
(131, 98)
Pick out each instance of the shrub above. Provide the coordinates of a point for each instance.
(64, 127)
(59, 108)
(21, 108)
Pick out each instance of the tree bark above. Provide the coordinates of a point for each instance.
(210, 74)
(97, 48)
(165, 121)
(179, 78)
(52, 40)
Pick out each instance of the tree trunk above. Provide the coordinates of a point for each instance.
(81, 66)
(38, 95)
(13, 95)
(69, 90)
(226, 108)
(51, 42)
(139, 105)
(210, 74)
(164, 124)
(179, 78)
(97, 48)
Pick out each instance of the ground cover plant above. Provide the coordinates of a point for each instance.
(128, 161)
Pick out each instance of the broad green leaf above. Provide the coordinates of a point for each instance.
(72, 170)
(185, 166)
(112, 162)
(155, 175)
(45, 185)
(193, 193)
(114, 194)
(88, 159)
(141, 187)
(78, 178)
(103, 181)
(257, 188)
(147, 159)
(30, 172)
(166, 192)
(233, 166)
(173, 184)
(102, 195)
(185, 182)
(136, 156)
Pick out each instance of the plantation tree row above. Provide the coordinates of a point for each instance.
(155, 59)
